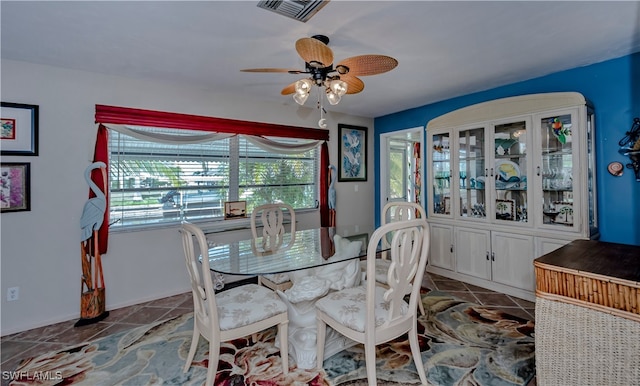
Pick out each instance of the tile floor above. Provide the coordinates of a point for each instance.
(29, 343)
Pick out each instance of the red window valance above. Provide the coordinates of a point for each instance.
(140, 117)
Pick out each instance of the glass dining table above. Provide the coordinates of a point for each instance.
(309, 248)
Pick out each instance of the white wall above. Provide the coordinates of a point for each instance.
(40, 249)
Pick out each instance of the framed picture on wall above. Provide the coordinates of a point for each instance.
(19, 130)
(505, 209)
(352, 153)
(15, 187)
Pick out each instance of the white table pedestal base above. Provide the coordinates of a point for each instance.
(303, 328)
(303, 349)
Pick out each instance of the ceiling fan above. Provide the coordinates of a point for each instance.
(337, 80)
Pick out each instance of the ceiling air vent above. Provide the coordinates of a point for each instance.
(301, 10)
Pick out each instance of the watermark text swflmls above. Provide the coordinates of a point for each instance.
(31, 375)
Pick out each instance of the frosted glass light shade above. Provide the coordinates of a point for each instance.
(338, 87)
(302, 87)
(300, 98)
(333, 98)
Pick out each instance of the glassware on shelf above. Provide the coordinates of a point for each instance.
(521, 213)
(546, 178)
(478, 210)
(477, 183)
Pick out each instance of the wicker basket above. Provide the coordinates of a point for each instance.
(579, 346)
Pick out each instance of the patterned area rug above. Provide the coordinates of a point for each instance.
(461, 343)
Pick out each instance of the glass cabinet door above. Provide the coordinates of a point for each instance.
(471, 173)
(510, 172)
(557, 170)
(441, 173)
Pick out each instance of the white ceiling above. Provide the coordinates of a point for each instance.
(444, 49)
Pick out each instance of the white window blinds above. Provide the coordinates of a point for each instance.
(163, 176)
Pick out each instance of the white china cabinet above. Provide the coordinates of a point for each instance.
(509, 180)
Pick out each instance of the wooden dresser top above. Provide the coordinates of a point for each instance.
(620, 261)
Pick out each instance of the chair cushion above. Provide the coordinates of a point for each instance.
(247, 304)
(348, 307)
(382, 268)
(277, 278)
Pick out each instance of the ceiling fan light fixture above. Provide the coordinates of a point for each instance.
(300, 98)
(322, 72)
(338, 87)
(303, 88)
(332, 97)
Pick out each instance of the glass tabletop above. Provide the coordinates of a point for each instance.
(309, 248)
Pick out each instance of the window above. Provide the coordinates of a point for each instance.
(162, 183)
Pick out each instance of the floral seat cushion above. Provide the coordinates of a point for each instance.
(349, 307)
(247, 304)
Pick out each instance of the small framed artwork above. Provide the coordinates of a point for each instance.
(505, 209)
(565, 212)
(352, 152)
(19, 130)
(235, 209)
(15, 187)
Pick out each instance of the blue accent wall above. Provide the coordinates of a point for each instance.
(613, 87)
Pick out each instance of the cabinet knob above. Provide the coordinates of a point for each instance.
(487, 255)
(451, 248)
(493, 256)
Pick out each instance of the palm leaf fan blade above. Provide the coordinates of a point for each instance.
(366, 65)
(290, 89)
(314, 51)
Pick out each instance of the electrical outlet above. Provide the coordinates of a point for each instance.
(13, 294)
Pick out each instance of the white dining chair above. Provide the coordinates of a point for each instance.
(394, 211)
(271, 218)
(372, 315)
(230, 314)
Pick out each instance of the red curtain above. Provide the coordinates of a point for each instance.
(140, 117)
(418, 176)
(324, 185)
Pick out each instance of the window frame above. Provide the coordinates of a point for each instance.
(231, 153)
